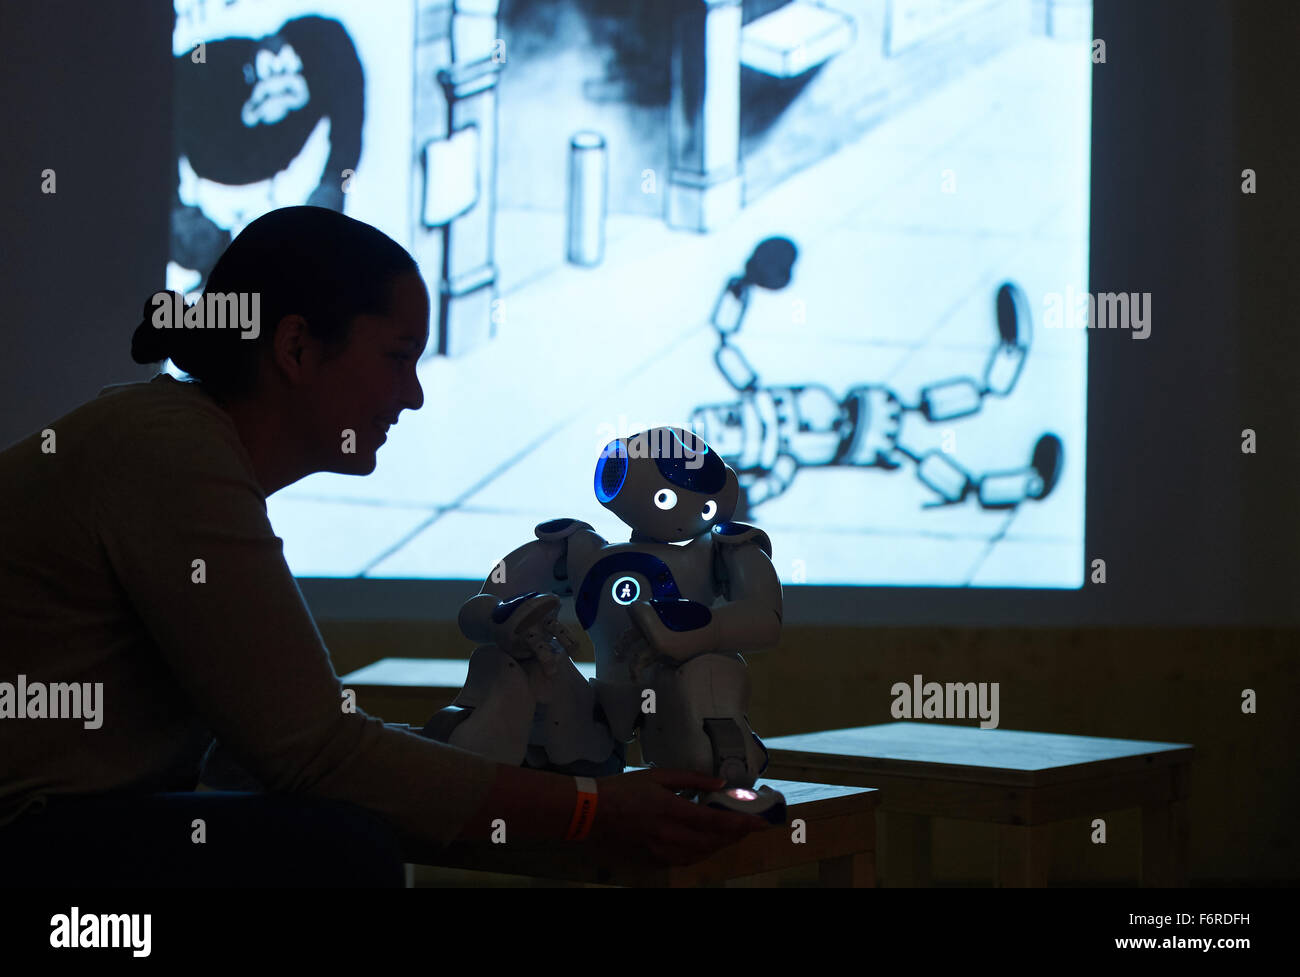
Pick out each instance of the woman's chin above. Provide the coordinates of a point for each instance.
(361, 463)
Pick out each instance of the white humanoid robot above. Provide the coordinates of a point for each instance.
(667, 621)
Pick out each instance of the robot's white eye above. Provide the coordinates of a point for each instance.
(709, 511)
(665, 498)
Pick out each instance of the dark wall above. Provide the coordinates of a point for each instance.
(1267, 314)
(1192, 94)
(1193, 91)
(87, 94)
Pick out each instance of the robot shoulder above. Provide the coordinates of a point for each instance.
(558, 529)
(729, 534)
(573, 541)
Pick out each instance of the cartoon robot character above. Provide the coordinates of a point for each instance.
(263, 123)
(668, 622)
(772, 432)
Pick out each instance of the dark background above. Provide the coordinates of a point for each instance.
(1192, 530)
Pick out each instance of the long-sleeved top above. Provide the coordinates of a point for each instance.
(105, 516)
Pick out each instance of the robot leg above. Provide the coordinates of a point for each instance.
(493, 714)
(568, 725)
(620, 703)
(701, 725)
(962, 397)
(950, 399)
(699, 722)
(995, 490)
(1014, 330)
(1005, 490)
(940, 473)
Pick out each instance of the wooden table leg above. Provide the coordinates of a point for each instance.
(1024, 855)
(906, 850)
(1164, 844)
(856, 871)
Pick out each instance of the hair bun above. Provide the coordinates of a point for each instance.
(150, 344)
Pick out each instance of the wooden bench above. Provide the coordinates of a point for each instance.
(1020, 781)
(839, 832)
(410, 690)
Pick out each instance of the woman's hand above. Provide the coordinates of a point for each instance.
(640, 810)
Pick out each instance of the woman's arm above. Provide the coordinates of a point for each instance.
(534, 805)
(224, 630)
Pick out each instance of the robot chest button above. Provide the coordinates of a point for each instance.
(625, 590)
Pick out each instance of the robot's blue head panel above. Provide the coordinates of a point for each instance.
(611, 471)
(693, 466)
(666, 483)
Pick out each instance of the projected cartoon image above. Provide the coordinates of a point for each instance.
(577, 179)
(772, 432)
(267, 122)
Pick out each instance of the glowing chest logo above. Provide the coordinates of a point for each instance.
(625, 590)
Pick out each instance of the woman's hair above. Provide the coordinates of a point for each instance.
(308, 261)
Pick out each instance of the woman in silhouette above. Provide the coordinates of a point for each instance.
(140, 571)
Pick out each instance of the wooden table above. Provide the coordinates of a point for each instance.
(839, 833)
(410, 690)
(1022, 782)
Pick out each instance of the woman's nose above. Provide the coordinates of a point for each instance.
(413, 394)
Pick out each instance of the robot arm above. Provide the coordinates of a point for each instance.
(742, 567)
(520, 599)
(529, 570)
(749, 621)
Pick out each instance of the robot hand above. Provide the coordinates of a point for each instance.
(527, 627)
(632, 647)
(690, 635)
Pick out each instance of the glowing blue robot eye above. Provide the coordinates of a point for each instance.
(611, 471)
(665, 498)
(709, 511)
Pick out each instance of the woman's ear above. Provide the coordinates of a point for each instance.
(288, 345)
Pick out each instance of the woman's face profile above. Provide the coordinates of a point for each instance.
(364, 388)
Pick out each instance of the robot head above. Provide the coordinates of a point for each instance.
(666, 483)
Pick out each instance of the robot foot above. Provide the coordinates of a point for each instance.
(1013, 315)
(731, 758)
(1048, 455)
(611, 765)
(1006, 490)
